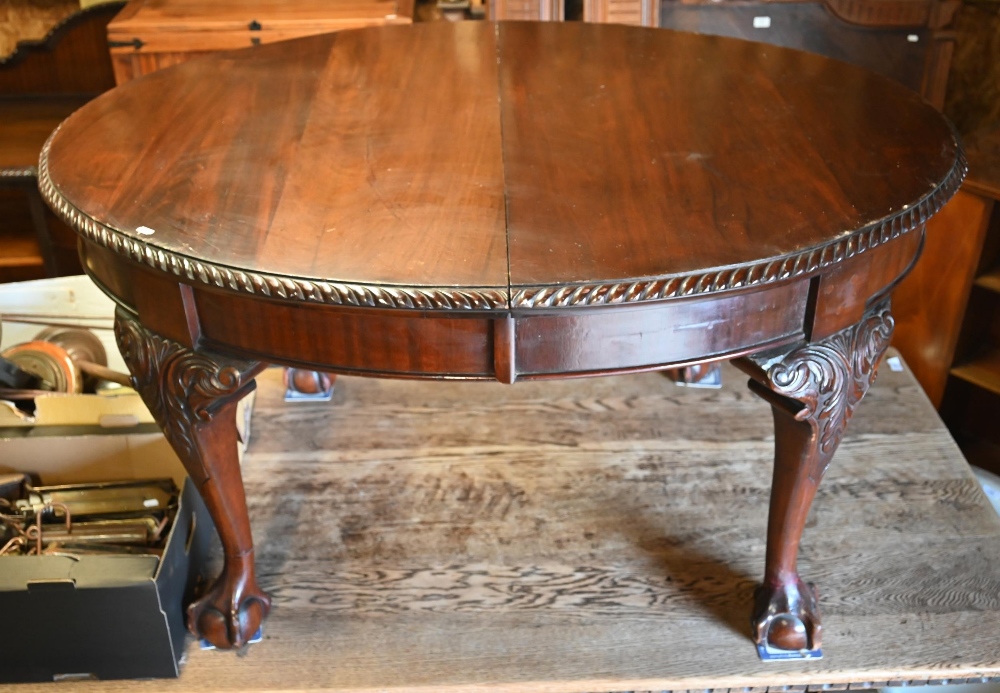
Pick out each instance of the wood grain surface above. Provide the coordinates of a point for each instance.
(25, 124)
(930, 303)
(339, 158)
(731, 151)
(150, 35)
(597, 535)
(322, 170)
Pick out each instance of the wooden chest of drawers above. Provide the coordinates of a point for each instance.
(149, 35)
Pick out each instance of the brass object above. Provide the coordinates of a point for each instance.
(114, 497)
(129, 517)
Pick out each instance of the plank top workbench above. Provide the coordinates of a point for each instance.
(593, 535)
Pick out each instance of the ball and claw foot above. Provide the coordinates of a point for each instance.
(231, 611)
(786, 618)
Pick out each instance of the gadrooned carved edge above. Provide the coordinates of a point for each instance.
(765, 272)
(447, 298)
(182, 388)
(261, 283)
(829, 377)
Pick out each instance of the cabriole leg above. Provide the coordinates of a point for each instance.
(193, 397)
(813, 390)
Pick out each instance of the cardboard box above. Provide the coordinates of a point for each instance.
(124, 409)
(104, 617)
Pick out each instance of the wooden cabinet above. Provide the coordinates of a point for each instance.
(971, 402)
(41, 83)
(948, 309)
(149, 35)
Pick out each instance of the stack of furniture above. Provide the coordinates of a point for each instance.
(41, 83)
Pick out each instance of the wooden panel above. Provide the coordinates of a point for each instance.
(586, 202)
(930, 303)
(659, 333)
(146, 17)
(350, 340)
(527, 10)
(20, 256)
(866, 276)
(347, 193)
(982, 371)
(153, 34)
(636, 12)
(55, 64)
(25, 124)
(591, 535)
(973, 101)
(129, 64)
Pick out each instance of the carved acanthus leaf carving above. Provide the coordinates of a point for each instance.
(829, 377)
(180, 387)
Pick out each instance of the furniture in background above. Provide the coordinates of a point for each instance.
(906, 40)
(41, 83)
(149, 35)
(932, 303)
(369, 216)
(948, 309)
(949, 320)
(972, 397)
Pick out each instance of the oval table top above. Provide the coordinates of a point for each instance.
(501, 166)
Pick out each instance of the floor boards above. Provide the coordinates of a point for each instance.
(593, 536)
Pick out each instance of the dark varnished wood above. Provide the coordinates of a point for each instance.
(542, 205)
(341, 127)
(813, 390)
(799, 122)
(397, 222)
(193, 398)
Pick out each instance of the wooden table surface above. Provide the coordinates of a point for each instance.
(554, 199)
(592, 535)
(534, 156)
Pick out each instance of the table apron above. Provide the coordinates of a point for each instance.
(502, 345)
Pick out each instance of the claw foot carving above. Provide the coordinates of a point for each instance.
(193, 397)
(230, 612)
(786, 617)
(813, 390)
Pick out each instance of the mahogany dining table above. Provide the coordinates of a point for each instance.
(503, 201)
